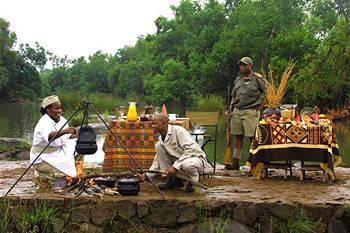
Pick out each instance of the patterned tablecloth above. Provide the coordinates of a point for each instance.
(284, 142)
(139, 140)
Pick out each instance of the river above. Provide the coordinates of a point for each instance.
(17, 120)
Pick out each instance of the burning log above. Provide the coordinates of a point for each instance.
(86, 184)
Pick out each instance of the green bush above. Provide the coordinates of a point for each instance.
(104, 102)
(70, 100)
(209, 103)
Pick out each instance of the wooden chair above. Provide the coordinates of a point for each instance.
(275, 165)
(311, 167)
(209, 120)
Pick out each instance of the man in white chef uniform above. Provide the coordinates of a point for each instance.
(57, 161)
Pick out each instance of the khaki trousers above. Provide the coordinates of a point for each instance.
(46, 171)
(191, 167)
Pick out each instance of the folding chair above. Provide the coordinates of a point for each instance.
(207, 119)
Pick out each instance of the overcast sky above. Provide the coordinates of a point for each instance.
(82, 27)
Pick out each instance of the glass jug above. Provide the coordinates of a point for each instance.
(132, 114)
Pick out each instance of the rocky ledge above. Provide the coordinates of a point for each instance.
(184, 215)
(14, 149)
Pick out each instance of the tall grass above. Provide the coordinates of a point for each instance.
(299, 223)
(209, 224)
(101, 101)
(277, 87)
(37, 220)
(5, 218)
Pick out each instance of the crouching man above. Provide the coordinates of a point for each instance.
(178, 154)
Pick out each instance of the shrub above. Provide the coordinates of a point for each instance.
(209, 103)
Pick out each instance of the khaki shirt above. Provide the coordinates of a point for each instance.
(179, 143)
(249, 92)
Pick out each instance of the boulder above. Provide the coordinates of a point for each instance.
(217, 225)
(336, 226)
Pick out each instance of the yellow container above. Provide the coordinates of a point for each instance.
(288, 114)
(132, 113)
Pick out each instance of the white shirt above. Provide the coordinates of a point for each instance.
(179, 143)
(63, 158)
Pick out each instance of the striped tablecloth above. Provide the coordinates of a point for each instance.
(139, 140)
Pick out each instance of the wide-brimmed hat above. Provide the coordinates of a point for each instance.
(49, 100)
(245, 60)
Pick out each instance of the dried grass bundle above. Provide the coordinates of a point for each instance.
(276, 91)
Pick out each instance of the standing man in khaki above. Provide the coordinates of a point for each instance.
(247, 97)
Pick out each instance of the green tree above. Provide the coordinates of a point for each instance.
(7, 56)
(173, 86)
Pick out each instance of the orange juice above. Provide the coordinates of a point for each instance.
(132, 113)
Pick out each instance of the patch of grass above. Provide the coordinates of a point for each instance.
(37, 220)
(4, 147)
(213, 225)
(5, 218)
(299, 223)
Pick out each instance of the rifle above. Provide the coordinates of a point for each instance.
(228, 152)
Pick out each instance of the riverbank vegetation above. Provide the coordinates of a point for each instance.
(195, 54)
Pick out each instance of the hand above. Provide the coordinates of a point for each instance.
(228, 115)
(70, 130)
(141, 177)
(171, 171)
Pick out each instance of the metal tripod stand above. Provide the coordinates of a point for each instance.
(85, 106)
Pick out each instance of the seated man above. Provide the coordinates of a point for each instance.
(57, 161)
(177, 153)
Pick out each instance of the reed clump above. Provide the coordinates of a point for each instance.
(277, 86)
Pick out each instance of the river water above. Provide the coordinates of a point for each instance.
(17, 120)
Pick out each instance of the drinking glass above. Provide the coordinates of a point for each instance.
(121, 112)
(156, 110)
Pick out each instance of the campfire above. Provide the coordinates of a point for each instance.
(95, 184)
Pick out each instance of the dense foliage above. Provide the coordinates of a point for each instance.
(196, 52)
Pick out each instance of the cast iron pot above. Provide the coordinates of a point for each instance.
(109, 182)
(128, 186)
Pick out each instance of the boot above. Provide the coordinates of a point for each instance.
(189, 187)
(43, 185)
(234, 165)
(172, 183)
